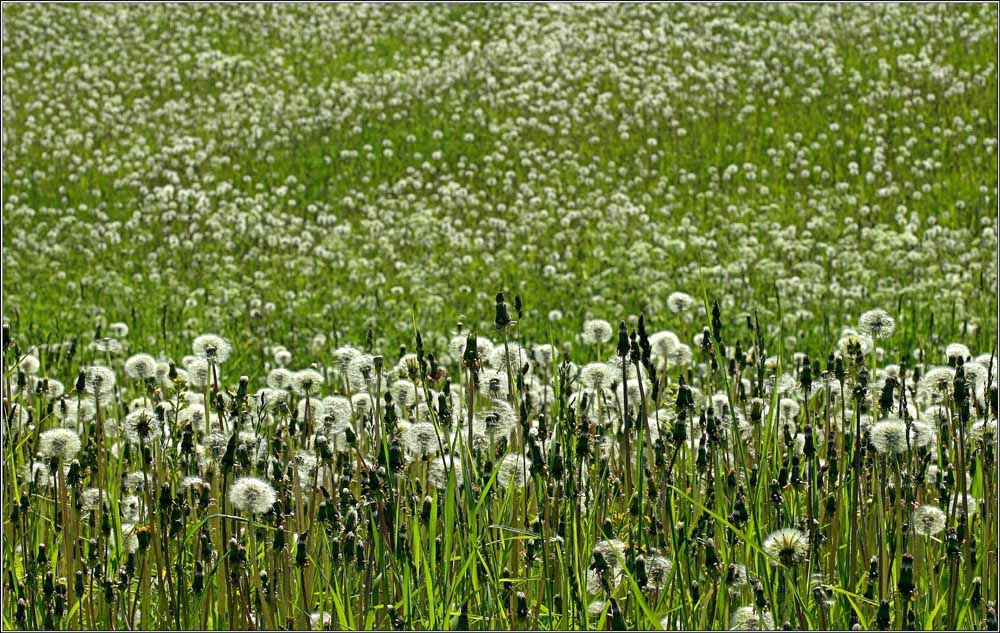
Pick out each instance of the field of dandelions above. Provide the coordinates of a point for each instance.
(499, 317)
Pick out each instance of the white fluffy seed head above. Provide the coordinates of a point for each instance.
(664, 343)
(597, 331)
(749, 619)
(787, 546)
(140, 367)
(99, 380)
(437, 473)
(957, 350)
(29, 364)
(877, 324)
(212, 348)
(679, 302)
(596, 376)
(515, 470)
(889, 437)
(421, 441)
(307, 382)
(58, 444)
(250, 494)
(928, 520)
(280, 378)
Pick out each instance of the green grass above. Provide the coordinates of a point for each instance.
(188, 169)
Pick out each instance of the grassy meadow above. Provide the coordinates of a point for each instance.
(520, 316)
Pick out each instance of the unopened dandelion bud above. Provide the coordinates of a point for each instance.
(502, 318)
(166, 497)
(873, 569)
(278, 542)
(712, 561)
(905, 583)
(882, 617)
(198, 583)
(425, 510)
(521, 602)
(760, 599)
(144, 535)
(301, 555)
(976, 599)
(349, 546)
(48, 584)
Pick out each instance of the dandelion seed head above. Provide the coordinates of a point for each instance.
(199, 373)
(130, 538)
(596, 608)
(663, 344)
(596, 376)
(362, 403)
(877, 324)
(957, 350)
(140, 422)
(514, 471)
(544, 354)
(250, 494)
(682, 356)
(92, 498)
(983, 431)
(922, 434)
(889, 436)
(787, 546)
(212, 348)
(512, 353)
(404, 393)
(307, 382)
(499, 421)
(929, 520)
(613, 550)
(320, 621)
(99, 380)
(361, 372)
(597, 332)
(134, 480)
(343, 357)
(61, 444)
(192, 480)
(280, 378)
(658, 570)
(307, 465)
(789, 409)
(130, 509)
(736, 578)
(679, 302)
(749, 619)
(962, 501)
(29, 364)
(420, 441)
(853, 338)
(140, 367)
(108, 345)
(282, 357)
(437, 472)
